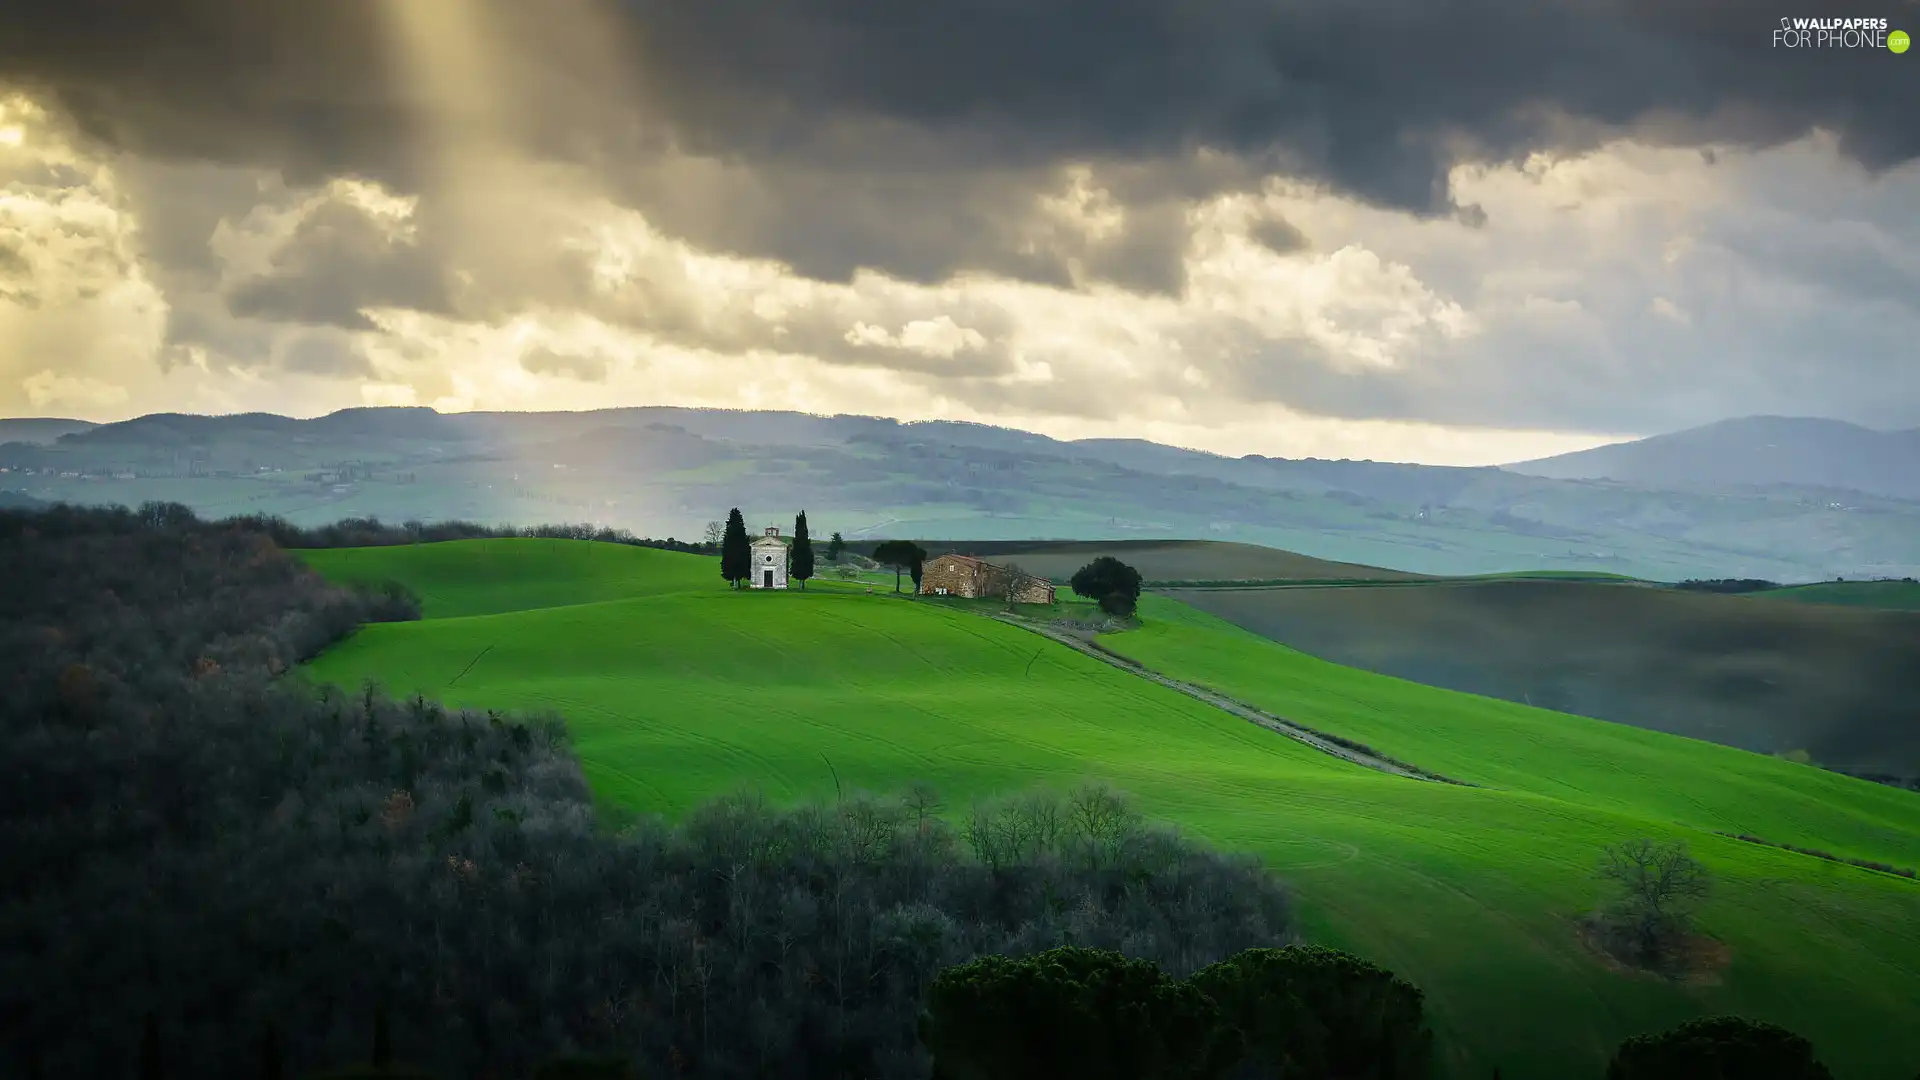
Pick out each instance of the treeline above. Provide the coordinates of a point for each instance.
(1726, 585)
(372, 532)
(214, 872)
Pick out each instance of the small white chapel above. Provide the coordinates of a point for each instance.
(769, 561)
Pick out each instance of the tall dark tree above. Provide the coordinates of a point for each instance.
(1718, 1048)
(904, 556)
(800, 556)
(382, 1040)
(835, 545)
(736, 551)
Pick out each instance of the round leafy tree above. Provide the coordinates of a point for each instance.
(902, 555)
(1311, 1011)
(1111, 582)
(1069, 1013)
(1718, 1048)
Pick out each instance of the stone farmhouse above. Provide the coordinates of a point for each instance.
(769, 561)
(964, 575)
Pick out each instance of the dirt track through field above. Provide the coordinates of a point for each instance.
(1083, 642)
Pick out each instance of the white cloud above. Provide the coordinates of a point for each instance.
(939, 336)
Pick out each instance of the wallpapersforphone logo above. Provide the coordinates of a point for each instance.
(1825, 33)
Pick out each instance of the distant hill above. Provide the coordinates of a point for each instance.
(1754, 451)
(39, 429)
(668, 471)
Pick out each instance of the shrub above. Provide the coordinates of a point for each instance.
(1308, 1011)
(1068, 1013)
(1718, 1048)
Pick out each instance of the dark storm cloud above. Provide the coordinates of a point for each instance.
(324, 353)
(915, 137)
(180, 206)
(1279, 236)
(338, 261)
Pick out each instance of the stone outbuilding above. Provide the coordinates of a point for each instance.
(769, 564)
(964, 575)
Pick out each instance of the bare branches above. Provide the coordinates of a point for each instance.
(1657, 884)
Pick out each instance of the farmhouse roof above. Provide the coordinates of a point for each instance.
(964, 559)
(973, 560)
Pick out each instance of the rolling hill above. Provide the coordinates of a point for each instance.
(1887, 595)
(676, 688)
(40, 429)
(1836, 682)
(1162, 560)
(1753, 451)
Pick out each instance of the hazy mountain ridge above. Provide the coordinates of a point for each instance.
(668, 470)
(1755, 451)
(39, 429)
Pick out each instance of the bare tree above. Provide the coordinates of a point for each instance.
(1658, 886)
(716, 532)
(923, 804)
(1002, 582)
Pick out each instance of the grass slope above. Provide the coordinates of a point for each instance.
(1886, 595)
(676, 689)
(1834, 681)
(485, 577)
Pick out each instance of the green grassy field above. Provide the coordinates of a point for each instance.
(676, 689)
(1889, 595)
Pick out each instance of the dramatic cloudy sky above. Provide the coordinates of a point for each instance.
(1440, 230)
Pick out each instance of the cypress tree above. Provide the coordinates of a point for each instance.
(736, 551)
(834, 544)
(801, 556)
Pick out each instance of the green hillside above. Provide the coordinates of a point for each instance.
(676, 688)
(484, 577)
(1890, 595)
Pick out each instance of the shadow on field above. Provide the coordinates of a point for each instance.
(1838, 683)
